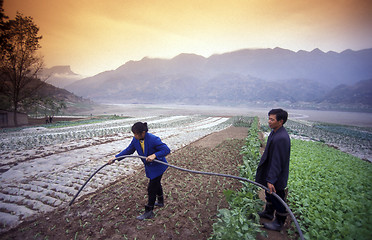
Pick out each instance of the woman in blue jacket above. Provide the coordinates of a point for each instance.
(149, 145)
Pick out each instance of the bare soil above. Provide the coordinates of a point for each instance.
(191, 201)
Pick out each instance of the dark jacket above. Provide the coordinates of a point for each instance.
(153, 144)
(274, 164)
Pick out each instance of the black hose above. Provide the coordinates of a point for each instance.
(72, 201)
(204, 173)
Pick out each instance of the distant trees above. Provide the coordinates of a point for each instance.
(44, 106)
(20, 63)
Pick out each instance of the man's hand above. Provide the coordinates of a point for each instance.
(111, 161)
(150, 158)
(271, 188)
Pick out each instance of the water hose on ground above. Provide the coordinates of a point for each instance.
(203, 173)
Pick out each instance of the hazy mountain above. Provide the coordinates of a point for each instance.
(359, 93)
(240, 77)
(74, 103)
(60, 76)
(276, 64)
(59, 93)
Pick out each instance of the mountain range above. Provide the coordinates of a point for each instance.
(60, 76)
(248, 76)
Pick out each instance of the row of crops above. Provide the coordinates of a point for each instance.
(61, 137)
(330, 191)
(31, 138)
(351, 139)
(241, 220)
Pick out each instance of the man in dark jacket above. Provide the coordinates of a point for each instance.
(273, 169)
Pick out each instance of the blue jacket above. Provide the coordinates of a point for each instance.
(153, 145)
(274, 164)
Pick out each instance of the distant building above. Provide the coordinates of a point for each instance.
(7, 118)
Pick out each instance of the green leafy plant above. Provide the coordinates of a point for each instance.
(241, 221)
(330, 191)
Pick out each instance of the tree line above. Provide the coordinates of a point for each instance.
(21, 67)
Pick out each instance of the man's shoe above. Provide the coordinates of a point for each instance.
(274, 225)
(148, 213)
(266, 214)
(278, 223)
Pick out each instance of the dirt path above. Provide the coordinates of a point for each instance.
(192, 201)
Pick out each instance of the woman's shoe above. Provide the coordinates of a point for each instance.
(148, 213)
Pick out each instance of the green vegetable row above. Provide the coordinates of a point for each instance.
(330, 191)
(241, 220)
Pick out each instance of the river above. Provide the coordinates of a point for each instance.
(361, 119)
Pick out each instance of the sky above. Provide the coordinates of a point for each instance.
(93, 36)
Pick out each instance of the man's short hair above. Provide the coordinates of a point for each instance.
(280, 114)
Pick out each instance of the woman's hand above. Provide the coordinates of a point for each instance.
(111, 161)
(150, 158)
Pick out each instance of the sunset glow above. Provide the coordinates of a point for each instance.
(94, 36)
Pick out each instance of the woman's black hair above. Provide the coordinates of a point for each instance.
(280, 114)
(139, 127)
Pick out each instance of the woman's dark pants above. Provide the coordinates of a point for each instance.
(154, 189)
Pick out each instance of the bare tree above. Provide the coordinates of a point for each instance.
(20, 63)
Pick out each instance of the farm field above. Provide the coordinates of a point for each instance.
(350, 139)
(41, 169)
(330, 191)
(191, 201)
